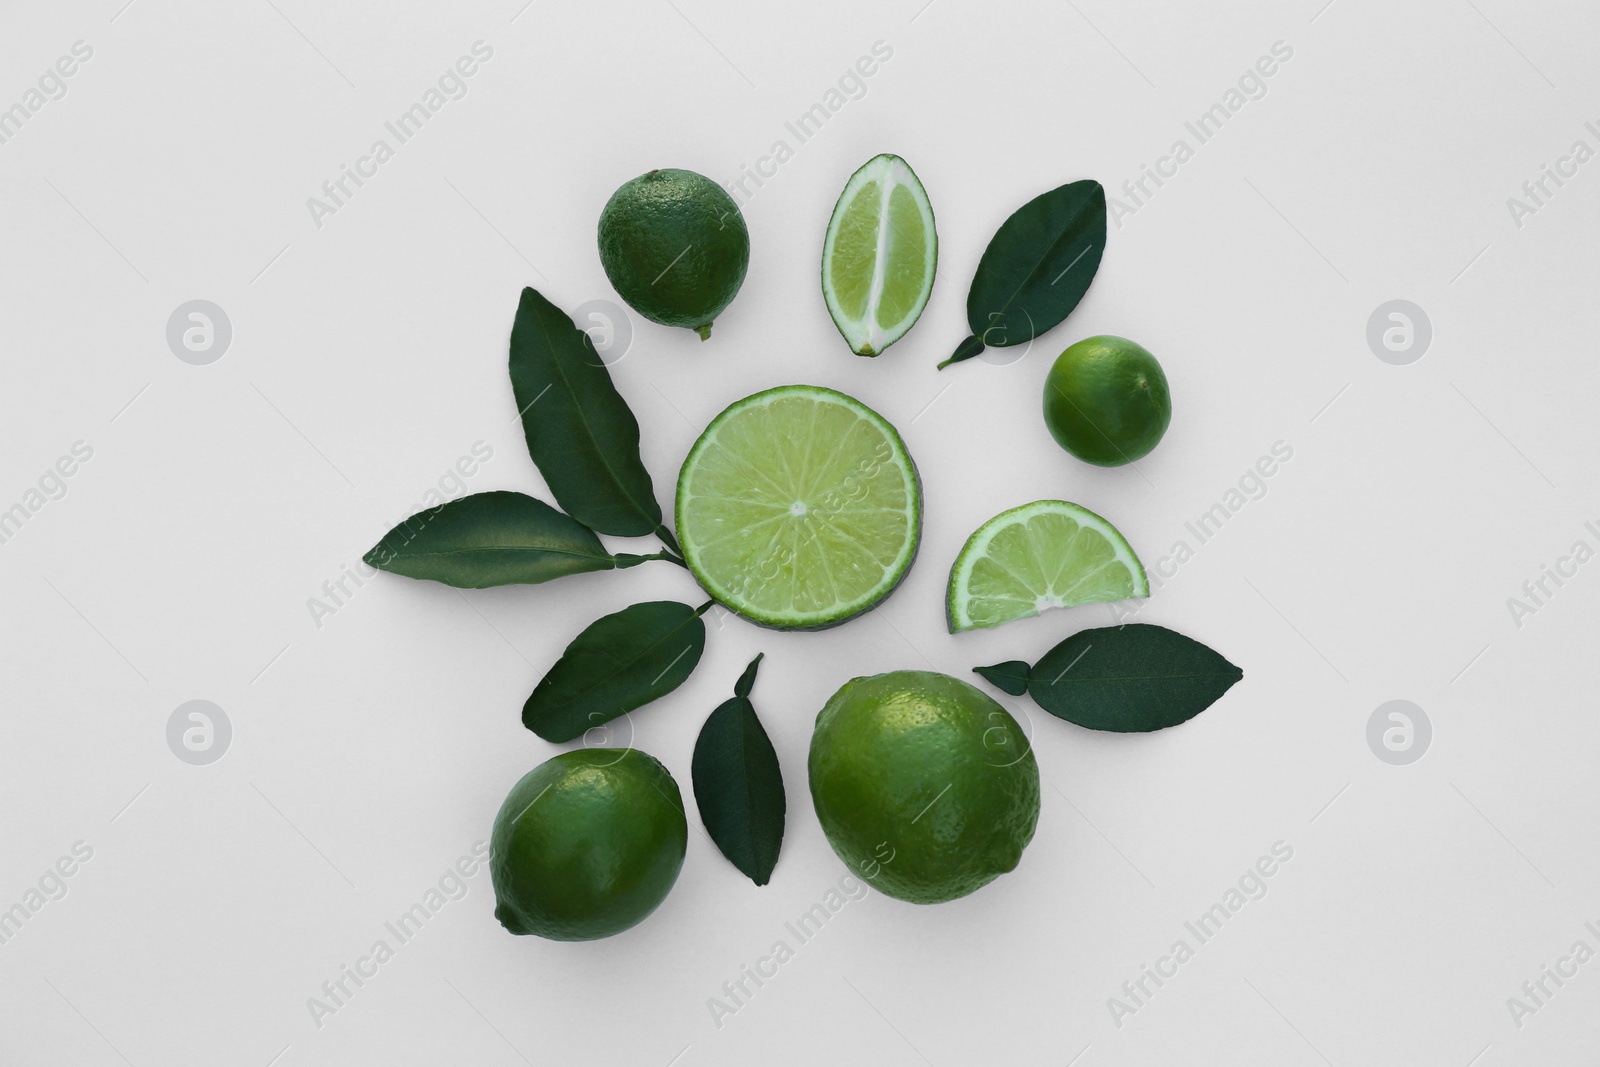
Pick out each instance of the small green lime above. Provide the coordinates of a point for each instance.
(675, 247)
(1106, 401)
(586, 845)
(924, 785)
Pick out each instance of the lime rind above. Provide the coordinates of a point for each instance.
(799, 508)
(871, 308)
(1039, 556)
(675, 247)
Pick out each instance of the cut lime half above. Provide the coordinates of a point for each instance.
(879, 255)
(1043, 555)
(799, 507)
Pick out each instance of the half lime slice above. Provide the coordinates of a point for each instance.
(879, 255)
(1043, 555)
(799, 508)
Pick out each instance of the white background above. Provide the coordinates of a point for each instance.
(369, 354)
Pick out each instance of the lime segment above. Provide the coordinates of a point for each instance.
(879, 255)
(799, 508)
(1043, 555)
(855, 252)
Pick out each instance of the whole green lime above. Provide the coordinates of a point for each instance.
(586, 845)
(675, 247)
(1106, 401)
(924, 785)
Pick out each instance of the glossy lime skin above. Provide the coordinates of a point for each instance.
(675, 247)
(924, 785)
(1106, 401)
(586, 845)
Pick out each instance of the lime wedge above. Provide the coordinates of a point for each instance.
(879, 255)
(799, 508)
(1043, 555)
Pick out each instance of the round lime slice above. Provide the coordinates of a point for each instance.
(879, 255)
(1043, 555)
(799, 507)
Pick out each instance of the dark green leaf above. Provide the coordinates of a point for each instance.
(1037, 267)
(580, 432)
(747, 680)
(497, 538)
(738, 784)
(670, 541)
(621, 662)
(1131, 678)
(1011, 676)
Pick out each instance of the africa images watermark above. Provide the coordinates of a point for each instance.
(51, 486)
(337, 192)
(451, 886)
(851, 85)
(1252, 885)
(1252, 85)
(1250, 486)
(738, 991)
(338, 590)
(1537, 992)
(199, 732)
(1538, 191)
(1537, 592)
(50, 886)
(51, 86)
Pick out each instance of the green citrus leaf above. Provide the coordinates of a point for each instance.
(620, 662)
(738, 784)
(1130, 679)
(580, 432)
(1010, 676)
(1037, 267)
(747, 680)
(497, 538)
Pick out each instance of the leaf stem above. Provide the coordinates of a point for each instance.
(703, 608)
(628, 559)
(965, 350)
(664, 535)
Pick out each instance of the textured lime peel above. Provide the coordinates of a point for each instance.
(675, 247)
(879, 255)
(1043, 555)
(924, 785)
(799, 508)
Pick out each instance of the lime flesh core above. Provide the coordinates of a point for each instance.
(924, 785)
(1043, 555)
(799, 508)
(586, 845)
(675, 247)
(1106, 401)
(879, 255)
